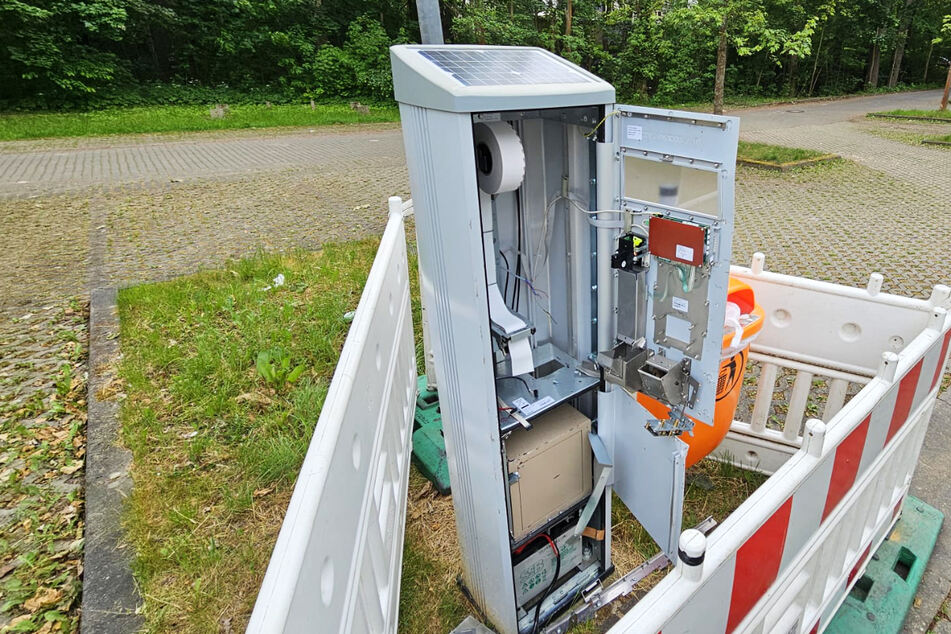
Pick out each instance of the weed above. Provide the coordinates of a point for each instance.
(274, 366)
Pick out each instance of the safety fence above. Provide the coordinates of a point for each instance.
(784, 560)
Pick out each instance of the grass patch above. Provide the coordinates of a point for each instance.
(217, 442)
(181, 119)
(927, 114)
(776, 154)
(940, 139)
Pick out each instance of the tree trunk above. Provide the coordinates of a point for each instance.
(815, 63)
(720, 78)
(876, 58)
(924, 77)
(900, 44)
(793, 70)
(568, 10)
(947, 89)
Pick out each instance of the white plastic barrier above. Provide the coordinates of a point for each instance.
(336, 564)
(785, 559)
(816, 331)
(782, 562)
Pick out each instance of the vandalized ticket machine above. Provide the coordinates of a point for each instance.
(574, 258)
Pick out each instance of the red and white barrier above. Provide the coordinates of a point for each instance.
(785, 559)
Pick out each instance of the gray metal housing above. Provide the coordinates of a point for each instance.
(418, 82)
(438, 113)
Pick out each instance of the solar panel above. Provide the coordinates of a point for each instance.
(503, 67)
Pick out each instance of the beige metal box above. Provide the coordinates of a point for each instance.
(553, 463)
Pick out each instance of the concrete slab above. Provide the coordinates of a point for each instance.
(932, 483)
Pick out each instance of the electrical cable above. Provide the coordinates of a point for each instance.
(517, 292)
(551, 586)
(524, 382)
(594, 130)
(505, 293)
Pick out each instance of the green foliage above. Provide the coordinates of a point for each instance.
(92, 54)
(216, 447)
(776, 154)
(931, 114)
(274, 366)
(361, 67)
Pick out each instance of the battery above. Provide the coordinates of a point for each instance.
(533, 574)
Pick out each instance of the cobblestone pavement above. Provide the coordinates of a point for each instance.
(27, 169)
(888, 210)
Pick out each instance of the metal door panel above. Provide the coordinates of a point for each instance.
(699, 150)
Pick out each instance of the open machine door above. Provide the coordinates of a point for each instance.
(336, 565)
(674, 173)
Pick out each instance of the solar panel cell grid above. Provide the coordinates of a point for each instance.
(499, 67)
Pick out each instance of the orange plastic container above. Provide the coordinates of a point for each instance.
(705, 438)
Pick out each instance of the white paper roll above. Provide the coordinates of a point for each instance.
(500, 161)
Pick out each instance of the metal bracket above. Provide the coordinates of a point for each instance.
(605, 469)
(622, 365)
(595, 599)
(672, 384)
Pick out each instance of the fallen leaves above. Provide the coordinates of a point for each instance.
(253, 397)
(42, 435)
(43, 597)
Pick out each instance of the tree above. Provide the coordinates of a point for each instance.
(901, 41)
(945, 33)
(745, 25)
(60, 46)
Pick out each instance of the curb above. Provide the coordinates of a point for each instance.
(941, 143)
(785, 167)
(878, 115)
(110, 597)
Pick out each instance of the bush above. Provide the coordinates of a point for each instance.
(359, 68)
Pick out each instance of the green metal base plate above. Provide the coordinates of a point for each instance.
(880, 600)
(429, 446)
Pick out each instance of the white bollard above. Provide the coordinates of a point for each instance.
(395, 204)
(815, 437)
(889, 366)
(758, 263)
(874, 286)
(691, 550)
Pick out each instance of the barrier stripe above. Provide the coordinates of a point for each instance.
(757, 564)
(848, 456)
(906, 396)
(858, 564)
(775, 546)
(941, 359)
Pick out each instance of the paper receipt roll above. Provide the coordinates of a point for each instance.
(500, 161)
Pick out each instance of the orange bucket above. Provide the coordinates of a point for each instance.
(705, 438)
